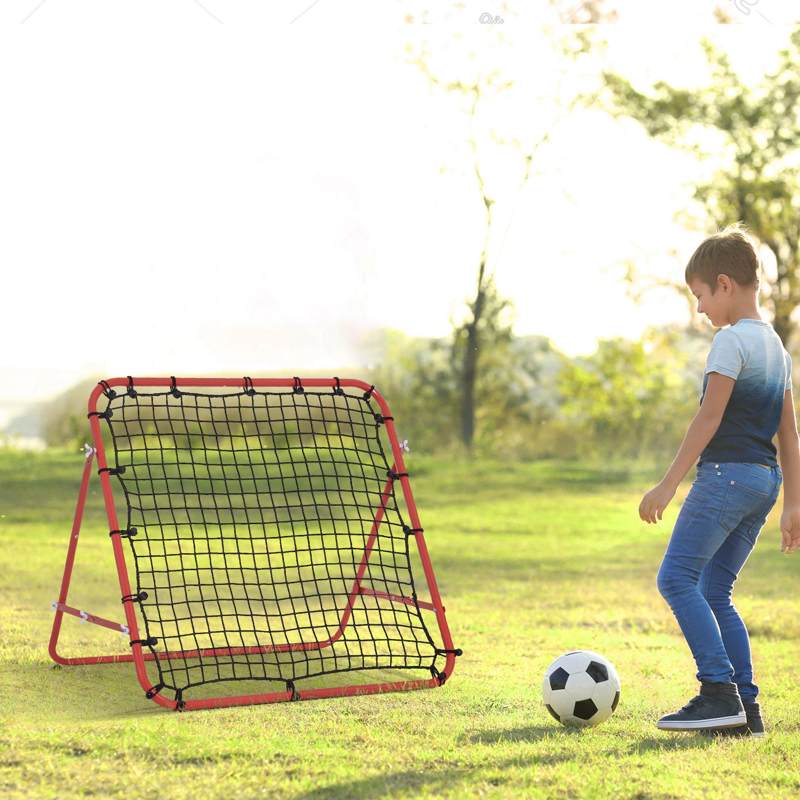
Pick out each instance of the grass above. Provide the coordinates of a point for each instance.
(532, 559)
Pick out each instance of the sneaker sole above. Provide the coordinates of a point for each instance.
(701, 724)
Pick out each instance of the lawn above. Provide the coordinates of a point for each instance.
(532, 560)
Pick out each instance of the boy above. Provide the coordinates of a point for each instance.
(747, 397)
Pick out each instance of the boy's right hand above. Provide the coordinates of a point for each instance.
(790, 529)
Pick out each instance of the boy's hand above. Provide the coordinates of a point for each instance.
(656, 500)
(790, 529)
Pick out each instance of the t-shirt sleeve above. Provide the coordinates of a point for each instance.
(788, 360)
(726, 355)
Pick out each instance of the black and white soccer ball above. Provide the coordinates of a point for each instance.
(581, 688)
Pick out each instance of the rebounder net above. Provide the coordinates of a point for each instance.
(266, 537)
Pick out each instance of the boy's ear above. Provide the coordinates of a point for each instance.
(725, 282)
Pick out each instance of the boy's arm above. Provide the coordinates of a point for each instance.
(702, 428)
(789, 454)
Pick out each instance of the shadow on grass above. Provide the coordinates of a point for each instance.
(406, 783)
(80, 693)
(687, 740)
(529, 733)
(101, 692)
(533, 733)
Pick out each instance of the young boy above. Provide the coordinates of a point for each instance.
(747, 398)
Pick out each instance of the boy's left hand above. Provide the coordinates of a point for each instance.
(655, 501)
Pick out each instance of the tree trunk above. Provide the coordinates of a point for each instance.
(470, 369)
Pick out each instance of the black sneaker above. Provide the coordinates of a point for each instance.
(717, 706)
(754, 726)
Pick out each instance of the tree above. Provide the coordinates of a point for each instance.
(486, 326)
(757, 180)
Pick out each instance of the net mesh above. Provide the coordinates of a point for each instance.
(248, 516)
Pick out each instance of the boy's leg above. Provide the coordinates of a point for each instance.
(697, 535)
(716, 585)
(721, 497)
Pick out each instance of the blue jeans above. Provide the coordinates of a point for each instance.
(714, 534)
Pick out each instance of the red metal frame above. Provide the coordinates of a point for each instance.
(139, 657)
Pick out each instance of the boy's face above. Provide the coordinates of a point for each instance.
(714, 306)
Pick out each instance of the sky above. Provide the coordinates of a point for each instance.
(199, 188)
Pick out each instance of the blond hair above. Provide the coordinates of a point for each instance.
(731, 252)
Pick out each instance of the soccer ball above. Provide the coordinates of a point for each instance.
(581, 688)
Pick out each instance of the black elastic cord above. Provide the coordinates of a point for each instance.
(149, 642)
(441, 677)
(337, 389)
(134, 598)
(368, 393)
(247, 383)
(395, 475)
(457, 651)
(111, 470)
(153, 691)
(173, 387)
(379, 418)
(290, 687)
(124, 534)
(180, 704)
(131, 391)
(107, 390)
(100, 414)
(409, 531)
(298, 386)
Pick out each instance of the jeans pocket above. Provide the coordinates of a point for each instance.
(743, 501)
(751, 479)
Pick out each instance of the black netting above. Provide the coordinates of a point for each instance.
(252, 511)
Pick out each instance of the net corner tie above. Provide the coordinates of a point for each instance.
(440, 677)
(153, 691)
(107, 390)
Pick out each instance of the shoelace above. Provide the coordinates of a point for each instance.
(692, 703)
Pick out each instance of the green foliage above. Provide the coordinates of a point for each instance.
(757, 135)
(418, 379)
(629, 397)
(63, 420)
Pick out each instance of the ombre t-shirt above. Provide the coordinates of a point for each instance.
(752, 353)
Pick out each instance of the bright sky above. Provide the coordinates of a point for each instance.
(184, 195)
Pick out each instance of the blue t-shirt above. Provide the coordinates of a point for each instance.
(753, 355)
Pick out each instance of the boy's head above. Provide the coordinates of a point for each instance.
(723, 274)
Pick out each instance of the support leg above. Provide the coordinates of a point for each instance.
(73, 544)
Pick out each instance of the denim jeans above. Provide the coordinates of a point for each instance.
(714, 534)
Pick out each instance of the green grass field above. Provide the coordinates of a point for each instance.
(532, 560)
